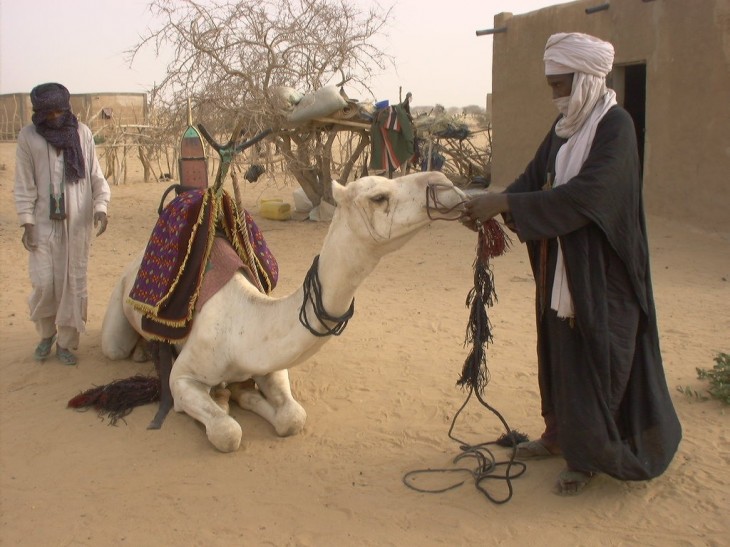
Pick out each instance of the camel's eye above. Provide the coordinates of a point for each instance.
(379, 198)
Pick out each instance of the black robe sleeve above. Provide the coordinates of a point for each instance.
(606, 192)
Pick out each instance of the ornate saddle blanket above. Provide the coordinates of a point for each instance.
(170, 279)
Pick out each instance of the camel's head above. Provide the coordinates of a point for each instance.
(390, 210)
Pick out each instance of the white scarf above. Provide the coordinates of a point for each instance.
(589, 102)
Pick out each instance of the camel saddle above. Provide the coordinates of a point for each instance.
(198, 233)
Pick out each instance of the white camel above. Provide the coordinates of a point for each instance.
(242, 334)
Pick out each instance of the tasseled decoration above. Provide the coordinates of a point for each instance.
(117, 399)
(513, 438)
(492, 242)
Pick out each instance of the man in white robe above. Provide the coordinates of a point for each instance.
(60, 193)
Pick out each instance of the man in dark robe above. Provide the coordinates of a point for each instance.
(578, 207)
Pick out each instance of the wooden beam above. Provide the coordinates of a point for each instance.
(337, 121)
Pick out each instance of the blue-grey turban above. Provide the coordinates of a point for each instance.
(62, 132)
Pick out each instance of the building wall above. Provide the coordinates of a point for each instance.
(686, 48)
(126, 109)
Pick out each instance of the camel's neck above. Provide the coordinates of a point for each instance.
(344, 263)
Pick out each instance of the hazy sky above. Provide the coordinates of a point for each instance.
(81, 44)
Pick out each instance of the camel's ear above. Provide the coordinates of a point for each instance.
(338, 191)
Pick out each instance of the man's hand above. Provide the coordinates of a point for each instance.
(28, 238)
(469, 223)
(484, 207)
(100, 220)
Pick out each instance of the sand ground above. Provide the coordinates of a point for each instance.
(380, 400)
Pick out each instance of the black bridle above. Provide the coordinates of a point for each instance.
(313, 293)
(434, 205)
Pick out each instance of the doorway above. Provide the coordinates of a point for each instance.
(629, 82)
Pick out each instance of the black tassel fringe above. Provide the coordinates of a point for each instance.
(492, 242)
(117, 399)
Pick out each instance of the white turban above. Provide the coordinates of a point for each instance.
(589, 60)
(566, 53)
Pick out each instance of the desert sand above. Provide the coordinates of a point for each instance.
(380, 401)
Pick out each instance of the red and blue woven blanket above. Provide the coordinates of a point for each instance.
(176, 257)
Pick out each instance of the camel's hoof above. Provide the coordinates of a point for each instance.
(236, 388)
(141, 354)
(245, 394)
(225, 434)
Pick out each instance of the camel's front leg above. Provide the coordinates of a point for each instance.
(193, 398)
(274, 402)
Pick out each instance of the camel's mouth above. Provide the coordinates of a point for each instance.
(444, 201)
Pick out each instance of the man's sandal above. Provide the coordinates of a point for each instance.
(43, 349)
(535, 450)
(65, 356)
(571, 483)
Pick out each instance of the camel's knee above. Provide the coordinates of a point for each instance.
(290, 419)
(118, 346)
(194, 398)
(118, 337)
(224, 433)
(282, 411)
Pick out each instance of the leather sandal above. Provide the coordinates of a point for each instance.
(572, 483)
(65, 356)
(535, 450)
(43, 349)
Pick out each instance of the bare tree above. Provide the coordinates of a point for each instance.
(227, 57)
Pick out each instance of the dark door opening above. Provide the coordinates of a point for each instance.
(635, 102)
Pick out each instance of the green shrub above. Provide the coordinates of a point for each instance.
(719, 378)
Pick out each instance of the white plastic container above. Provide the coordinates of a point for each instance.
(301, 201)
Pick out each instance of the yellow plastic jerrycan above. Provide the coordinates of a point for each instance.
(275, 209)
